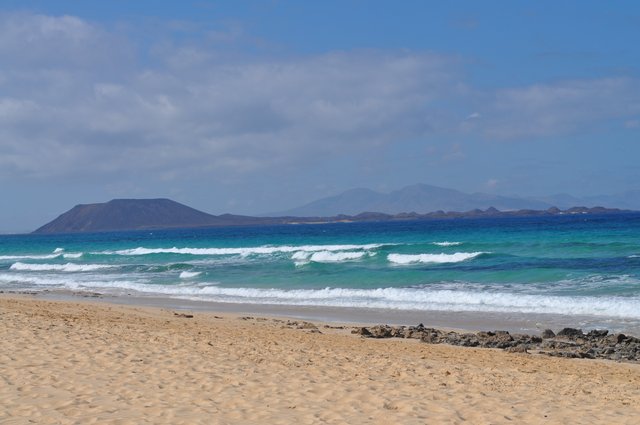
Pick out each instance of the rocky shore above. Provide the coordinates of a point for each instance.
(569, 342)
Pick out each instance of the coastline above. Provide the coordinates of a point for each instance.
(83, 361)
(529, 323)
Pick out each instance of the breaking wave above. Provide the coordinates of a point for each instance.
(446, 243)
(30, 257)
(244, 251)
(302, 257)
(189, 275)
(404, 259)
(384, 298)
(69, 267)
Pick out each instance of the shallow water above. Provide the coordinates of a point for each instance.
(582, 266)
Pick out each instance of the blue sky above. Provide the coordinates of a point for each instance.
(258, 106)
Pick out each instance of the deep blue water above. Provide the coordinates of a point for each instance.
(579, 264)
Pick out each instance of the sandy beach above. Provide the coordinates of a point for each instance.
(91, 362)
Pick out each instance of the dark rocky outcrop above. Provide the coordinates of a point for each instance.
(569, 342)
(141, 214)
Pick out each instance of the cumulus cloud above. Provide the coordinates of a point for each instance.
(560, 108)
(65, 114)
(78, 98)
(491, 184)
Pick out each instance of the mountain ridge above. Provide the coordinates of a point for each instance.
(148, 214)
(419, 198)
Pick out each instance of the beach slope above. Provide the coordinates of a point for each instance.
(85, 362)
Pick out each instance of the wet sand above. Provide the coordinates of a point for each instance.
(93, 362)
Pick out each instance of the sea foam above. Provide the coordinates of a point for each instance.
(420, 299)
(446, 243)
(326, 256)
(69, 267)
(267, 249)
(29, 257)
(389, 298)
(404, 259)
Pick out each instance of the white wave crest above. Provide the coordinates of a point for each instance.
(73, 255)
(458, 257)
(418, 299)
(58, 250)
(326, 256)
(29, 257)
(189, 275)
(69, 267)
(268, 249)
(446, 243)
(391, 298)
(77, 282)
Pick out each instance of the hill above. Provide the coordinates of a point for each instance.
(138, 214)
(419, 198)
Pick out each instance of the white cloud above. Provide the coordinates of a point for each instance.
(238, 116)
(79, 99)
(561, 108)
(492, 183)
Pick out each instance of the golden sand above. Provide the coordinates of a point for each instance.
(84, 362)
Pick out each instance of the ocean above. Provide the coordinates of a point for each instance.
(572, 265)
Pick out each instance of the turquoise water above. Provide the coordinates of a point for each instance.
(575, 265)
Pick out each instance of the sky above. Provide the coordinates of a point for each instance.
(251, 107)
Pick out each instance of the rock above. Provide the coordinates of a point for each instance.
(499, 339)
(571, 333)
(520, 348)
(361, 331)
(617, 338)
(306, 325)
(431, 336)
(595, 334)
(569, 342)
(548, 333)
(382, 331)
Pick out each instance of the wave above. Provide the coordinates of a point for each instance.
(244, 251)
(58, 252)
(66, 282)
(30, 257)
(446, 243)
(69, 267)
(404, 259)
(189, 275)
(383, 298)
(414, 298)
(303, 257)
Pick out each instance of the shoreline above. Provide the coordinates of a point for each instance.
(82, 361)
(465, 321)
(594, 344)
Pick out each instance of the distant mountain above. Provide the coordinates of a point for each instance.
(629, 200)
(562, 200)
(419, 198)
(145, 214)
(138, 214)
(626, 200)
